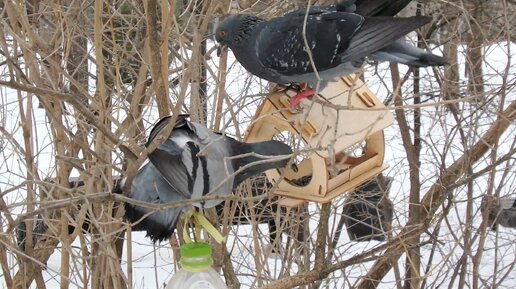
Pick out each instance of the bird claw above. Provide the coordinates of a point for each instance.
(297, 86)
(296, 99)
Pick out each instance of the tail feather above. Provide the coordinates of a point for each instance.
(156, 230)
(405, 53)
(376, 33)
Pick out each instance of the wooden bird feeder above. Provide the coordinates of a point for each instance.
(342, 141)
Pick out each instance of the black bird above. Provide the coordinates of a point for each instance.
(369, 8)
(501, 212)
(376, 7)
(367, 211)
(339, 40)
(194, 162)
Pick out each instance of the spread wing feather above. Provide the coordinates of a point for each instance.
(189, 160)
(173, 158)
(150, 187)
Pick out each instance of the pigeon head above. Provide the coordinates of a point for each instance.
(234, 29)
(227, 29)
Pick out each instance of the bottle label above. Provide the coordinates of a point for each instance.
(201, 285)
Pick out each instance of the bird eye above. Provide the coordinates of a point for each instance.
(222, 33)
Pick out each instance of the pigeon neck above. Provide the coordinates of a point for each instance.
(247, 27)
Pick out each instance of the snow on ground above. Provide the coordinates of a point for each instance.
(153, 265)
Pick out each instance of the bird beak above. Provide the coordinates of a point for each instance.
(220, 47)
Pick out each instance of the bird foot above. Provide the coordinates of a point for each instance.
(304, 93)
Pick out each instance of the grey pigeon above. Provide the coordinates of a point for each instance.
(194, 162)
(339, 42)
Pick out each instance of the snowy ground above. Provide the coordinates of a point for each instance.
(153, 266)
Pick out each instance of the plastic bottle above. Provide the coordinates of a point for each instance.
(196, 271)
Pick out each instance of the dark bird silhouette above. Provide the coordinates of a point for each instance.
(502, 211)
(376, 7)
(367, 211)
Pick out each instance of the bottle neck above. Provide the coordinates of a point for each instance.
(195, 265)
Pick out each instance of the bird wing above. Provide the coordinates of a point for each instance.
(149, 186)
(379, 32)
(361, 7)
(191, 160)
(332, 37)
(215, 157)
(280, 44)
(176, 157)
(176, 160)
(379, 7)
(342, 6)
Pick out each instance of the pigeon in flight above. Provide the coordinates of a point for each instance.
(338, 39)
(194, 162)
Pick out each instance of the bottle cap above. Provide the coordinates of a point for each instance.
(195, 250)
(195, 257)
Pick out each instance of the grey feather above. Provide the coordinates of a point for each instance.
(149, 186)
(194, 160)
(191, 163)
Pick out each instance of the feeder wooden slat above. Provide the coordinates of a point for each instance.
(329, 170)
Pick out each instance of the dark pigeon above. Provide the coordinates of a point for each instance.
(194, 162)
(367, 211)
(399, 51)
(501, 212)
(339, 42)
(376, 7)
(370, 8)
